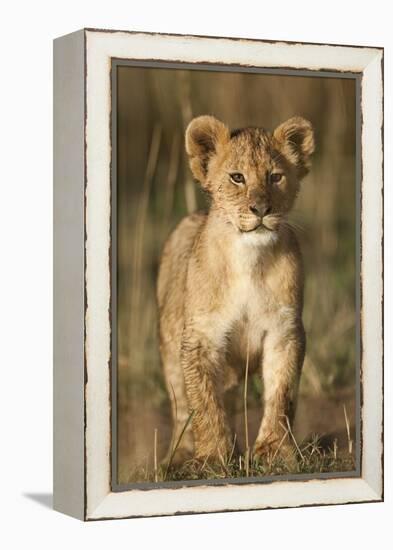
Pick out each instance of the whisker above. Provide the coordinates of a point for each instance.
(298, 227)
(293, 225)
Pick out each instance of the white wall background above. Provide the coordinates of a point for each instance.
(26, 269)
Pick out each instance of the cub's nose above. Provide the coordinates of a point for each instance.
(260, 210)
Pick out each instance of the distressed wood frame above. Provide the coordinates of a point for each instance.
(82, 271)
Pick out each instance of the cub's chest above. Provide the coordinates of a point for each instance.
(249, 291)
(249, 298)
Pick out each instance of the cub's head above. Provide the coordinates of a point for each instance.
(252, 176)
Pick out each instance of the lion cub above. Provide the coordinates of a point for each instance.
(230, 285)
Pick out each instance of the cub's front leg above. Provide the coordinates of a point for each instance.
(201, 362)
(283, 357)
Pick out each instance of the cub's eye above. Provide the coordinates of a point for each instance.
(275, 177)
(237, 178)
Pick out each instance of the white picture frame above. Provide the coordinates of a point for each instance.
(82, 245)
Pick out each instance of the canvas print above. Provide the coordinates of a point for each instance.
(237, 270)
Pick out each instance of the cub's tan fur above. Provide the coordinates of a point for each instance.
(231, 284)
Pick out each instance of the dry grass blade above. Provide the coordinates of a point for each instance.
(292, 436)
(174, 400)
(155, 455)
(177, 443)
(350, 443)
(223, 465)
(173, 169)
(139, 238)
(187, 115)
(175, 415)
(279, 445)
(247, 452)
(232, 450)
(204, 463)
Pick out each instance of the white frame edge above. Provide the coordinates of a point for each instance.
(101, 47)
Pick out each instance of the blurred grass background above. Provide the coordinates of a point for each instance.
(155, 190)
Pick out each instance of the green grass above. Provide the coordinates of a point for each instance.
(312, 459)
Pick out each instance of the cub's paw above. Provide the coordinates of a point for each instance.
(274, 451)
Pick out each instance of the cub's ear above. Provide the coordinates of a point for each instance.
(204, 135)
(295, 140)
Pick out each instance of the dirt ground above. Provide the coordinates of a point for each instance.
(319, 415)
